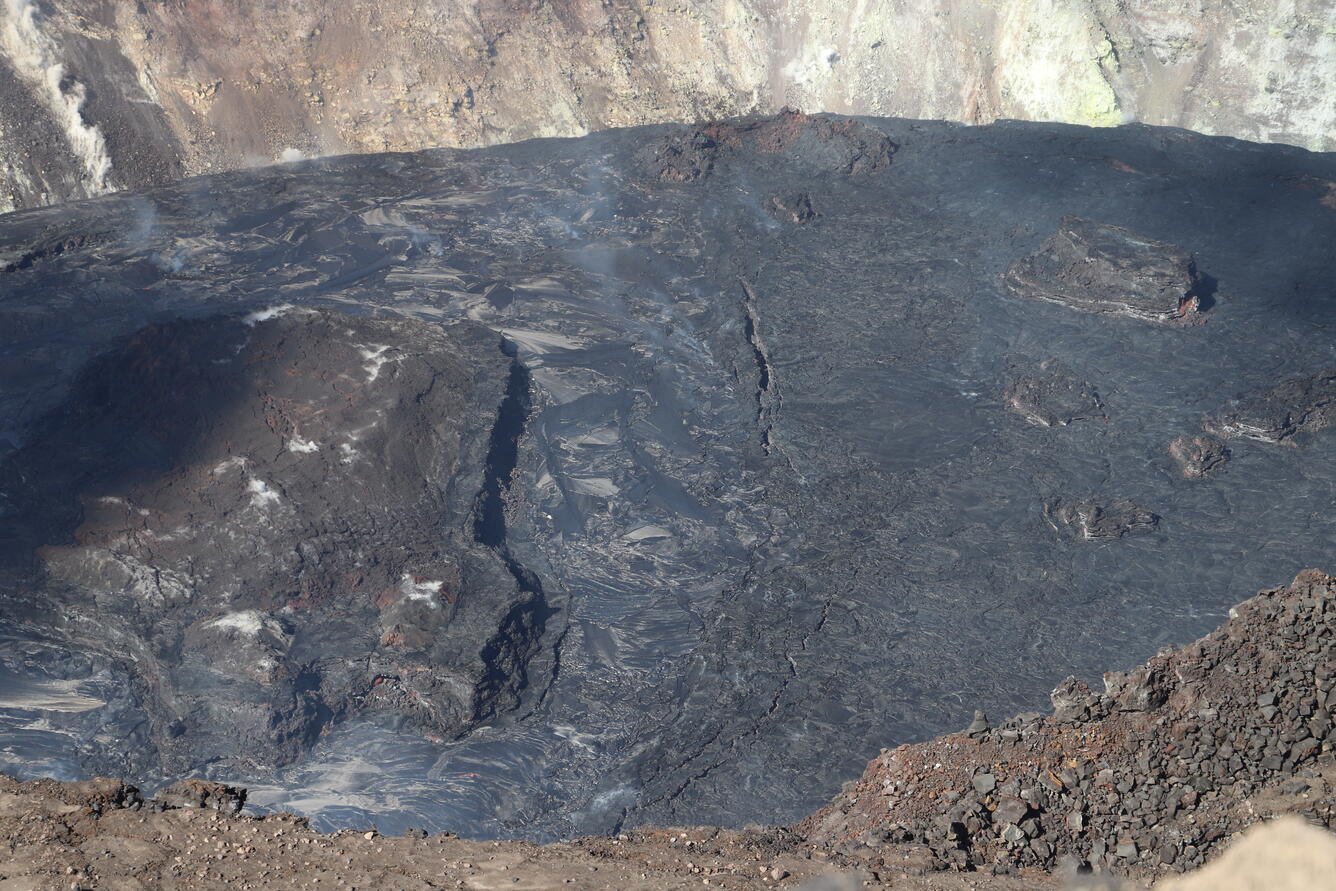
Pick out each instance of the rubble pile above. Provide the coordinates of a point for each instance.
(1151, 775)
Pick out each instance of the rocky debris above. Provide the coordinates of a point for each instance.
(1302, 405)
(95, 795)
(270, 520)
(1098, 268)
(48, 844)
(820, 142)
(1152, 775)
(1052, 396)
(203, 793)
(794, 207)
(1099, 519)
(1199, 456)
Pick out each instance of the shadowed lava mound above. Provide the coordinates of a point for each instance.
(271, 520)
(1100, 268)
(1155, 773)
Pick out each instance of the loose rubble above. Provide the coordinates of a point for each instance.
(203, 793)
(1152, 775)
(103, 834)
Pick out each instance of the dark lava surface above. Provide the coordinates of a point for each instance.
(758, 462)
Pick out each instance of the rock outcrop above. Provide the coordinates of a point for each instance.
(97, 95)
(1099, 518)
(1153, 774)
(192, 792)
(1199, 456)
(1099, 268)
(1275, 414)
(1051, 396)
(818, 142)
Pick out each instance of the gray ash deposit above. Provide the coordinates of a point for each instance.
(699, 476)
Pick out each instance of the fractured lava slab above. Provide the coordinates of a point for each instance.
(1051, 396)
(1096, 519)
(842, 145)
(1099, 268)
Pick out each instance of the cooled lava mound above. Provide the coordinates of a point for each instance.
(286, 518)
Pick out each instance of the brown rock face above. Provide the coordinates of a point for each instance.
(154, 91)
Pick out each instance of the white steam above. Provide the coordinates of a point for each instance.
(36, 57)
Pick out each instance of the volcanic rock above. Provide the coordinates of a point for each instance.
(1175, 757)
(1096, 519)
(1098, 268)
(1199, 456)
(818, 142)
(204, 794)
(1275, 414)
(1051, 396)
(272, 518)
(792, 208)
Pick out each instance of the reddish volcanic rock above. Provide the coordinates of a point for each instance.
(1150, 775)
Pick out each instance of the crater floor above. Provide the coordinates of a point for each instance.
(799, 470)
